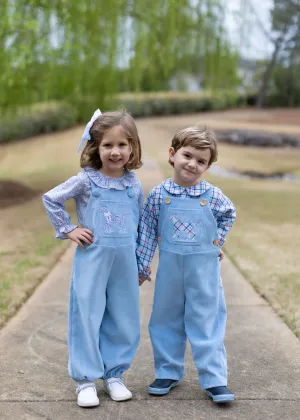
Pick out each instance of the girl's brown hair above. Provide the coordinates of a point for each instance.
(199, 139)
(90, 154)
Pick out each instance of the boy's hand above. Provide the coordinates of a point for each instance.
(221, 255)
(80, 236)
(142, 279)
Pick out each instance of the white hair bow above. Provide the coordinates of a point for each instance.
(86, 134)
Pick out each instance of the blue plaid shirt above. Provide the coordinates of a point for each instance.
(222, 209)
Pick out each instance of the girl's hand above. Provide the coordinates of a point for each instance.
(221, 255)
(80, 236)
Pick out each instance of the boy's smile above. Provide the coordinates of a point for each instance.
(189, 164)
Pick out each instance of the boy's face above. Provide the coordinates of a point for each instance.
(189, 164)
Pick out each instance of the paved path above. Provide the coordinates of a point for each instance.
(263, 359)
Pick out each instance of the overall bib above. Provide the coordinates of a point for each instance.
(104, 321)
(189, 298)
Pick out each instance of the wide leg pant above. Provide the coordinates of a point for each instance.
(189, 303)
(104, 326)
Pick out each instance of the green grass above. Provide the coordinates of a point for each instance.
(263, 160)
(265, 240)
(46, 245)
(27, 255)
(22, 266)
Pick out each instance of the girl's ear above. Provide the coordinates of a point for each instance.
(171, 154)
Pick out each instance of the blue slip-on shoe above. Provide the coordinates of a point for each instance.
(162, 386)
(220, 394)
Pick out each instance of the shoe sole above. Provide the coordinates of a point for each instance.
(88, 405)
(118, 399)
(219, 399)
(161, 391)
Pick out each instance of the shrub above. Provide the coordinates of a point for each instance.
(53, 116)
(36, 119)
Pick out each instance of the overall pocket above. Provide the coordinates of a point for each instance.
(113, 219)
(184, 226)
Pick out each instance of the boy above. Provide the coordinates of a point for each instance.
(189, 220)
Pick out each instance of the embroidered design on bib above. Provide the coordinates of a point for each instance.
(183, 230)
(114, 222)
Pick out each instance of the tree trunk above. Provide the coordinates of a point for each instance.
(267, 75)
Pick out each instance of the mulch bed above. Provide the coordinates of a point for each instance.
(12, 192)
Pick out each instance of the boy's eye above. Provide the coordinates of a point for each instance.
(186, 155)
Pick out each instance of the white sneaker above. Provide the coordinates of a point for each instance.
(117, 391)
(87, 395)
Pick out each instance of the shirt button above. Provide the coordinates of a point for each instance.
(203, 202)
(216, 242)
(159, 239)
(168, 200)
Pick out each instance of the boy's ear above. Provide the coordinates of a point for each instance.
(171, 154)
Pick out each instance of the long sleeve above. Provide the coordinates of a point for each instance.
(54, 203)
(224, 213)
(147, 238)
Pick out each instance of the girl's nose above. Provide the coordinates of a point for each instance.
(115, 151)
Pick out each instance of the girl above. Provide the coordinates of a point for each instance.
(104, 325)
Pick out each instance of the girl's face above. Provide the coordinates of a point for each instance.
(114, 151)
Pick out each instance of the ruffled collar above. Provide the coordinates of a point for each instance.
(127, 180)
(194, 190)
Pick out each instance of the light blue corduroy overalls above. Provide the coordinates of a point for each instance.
(104, 322)
(189, 298)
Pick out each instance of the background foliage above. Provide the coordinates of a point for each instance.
(70, 49)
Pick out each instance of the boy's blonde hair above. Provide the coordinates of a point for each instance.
(90, 154)
(198, 138)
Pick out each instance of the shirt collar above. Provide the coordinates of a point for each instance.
(194, 191)
(127, 180)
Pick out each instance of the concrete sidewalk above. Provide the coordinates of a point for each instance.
(263, 359)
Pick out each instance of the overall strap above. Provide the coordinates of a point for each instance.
(95, 190)
(130, 192)
(165, 193)
(207, 194)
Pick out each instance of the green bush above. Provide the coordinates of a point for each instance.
(168, 103)
(36, 119)
(53, 116)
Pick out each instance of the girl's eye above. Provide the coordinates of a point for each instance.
(186, 155)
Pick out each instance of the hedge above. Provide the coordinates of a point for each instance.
(36, 119)
(53, 116)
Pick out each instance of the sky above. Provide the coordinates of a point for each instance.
(244, 29)
(244, 19)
